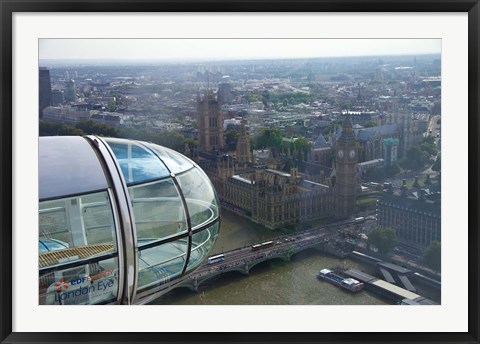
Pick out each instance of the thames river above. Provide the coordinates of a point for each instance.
(273, 282)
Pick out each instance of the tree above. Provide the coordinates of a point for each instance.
(384, 239)
(432, 256)
(191, 143)
(139, 133)
(111, 106)
(172, 140)
(51, 128)
(415, 159)
(418, 155)
(380, 173)
(370, 124)
(231, 138)
(302, 146)
(90, 127)
(330, 128)
(48, 128)
(428, 145)
(375, 174)
(391, 170)
(265, 98)
(347, 105)
(289, 98)
(68, 130)
(269, 138)
(252, 98)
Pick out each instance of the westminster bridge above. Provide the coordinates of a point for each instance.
(245, 258)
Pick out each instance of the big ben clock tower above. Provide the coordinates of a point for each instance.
(346, 159)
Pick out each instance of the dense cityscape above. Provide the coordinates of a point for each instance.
(339, 156)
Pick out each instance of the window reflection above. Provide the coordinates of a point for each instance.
(200, 197)
(86, 284)
(71, 230)
(76, 221)
(158, 210)
(202, 243)
(160, 264)
(176, 162)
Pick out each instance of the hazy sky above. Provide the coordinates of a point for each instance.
(202, 49)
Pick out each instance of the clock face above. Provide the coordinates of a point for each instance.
(340, 153)
(352, 154)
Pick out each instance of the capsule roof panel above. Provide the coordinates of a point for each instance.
(68, 166)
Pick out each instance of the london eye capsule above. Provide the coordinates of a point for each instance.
(120, 221)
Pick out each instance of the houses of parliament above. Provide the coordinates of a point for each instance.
(264, 191)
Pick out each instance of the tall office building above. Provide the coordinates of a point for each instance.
(225, 91)
(58, 97)
(70, 91)
(45, 89)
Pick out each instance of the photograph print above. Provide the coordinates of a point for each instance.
(239, 171)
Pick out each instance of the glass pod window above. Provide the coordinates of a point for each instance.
(174, 206)
(77, 250)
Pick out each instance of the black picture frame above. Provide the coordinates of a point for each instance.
(8, 7)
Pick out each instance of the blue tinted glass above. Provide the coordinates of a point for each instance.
(138, 164)
(42, 248)
(51, 245)
(175, 162)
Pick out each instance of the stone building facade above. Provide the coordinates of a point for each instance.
(269, 197)
(416, 220)
(210, 122)
(411, 129)
(371, 140)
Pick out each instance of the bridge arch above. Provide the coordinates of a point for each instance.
(283, 257)
(194, 284)
(313, 248)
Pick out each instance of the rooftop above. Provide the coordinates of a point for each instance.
(381, 130)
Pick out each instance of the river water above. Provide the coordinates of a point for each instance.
(273, 282)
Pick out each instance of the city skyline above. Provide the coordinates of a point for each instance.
(190, 50)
